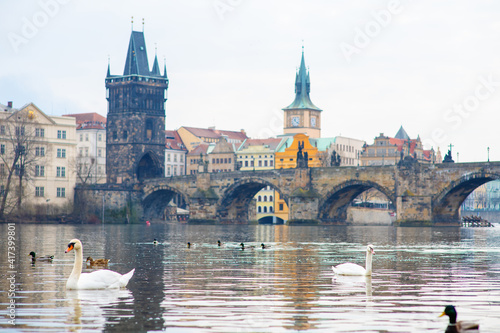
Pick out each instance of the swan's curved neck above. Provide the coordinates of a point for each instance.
(77, 269)
(368, 263)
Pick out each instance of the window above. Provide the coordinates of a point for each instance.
(229, 160)
(259, 209)
(86, 152)
(270, 209)
(39, 151)
(99, 152)
(39, 171)
(259, 199)
(39, 191)
(80, 152)
(149, 129)
(265, 198)
(175, 158)
(20, 131)
(265, 163)
(81, 137)
(168, 157)
(61, 192)
(99, 137)
(281, 206)
(61, 153)
(168, 171)
(115, 135)
(61, 172)
(2, 130)
(2, 169)
(246, 163)
(2, 149)
(271, 162)
(265, 209)
(61, 134)
(39, 132)
(125, 135)
(270, 198)
(86, 136)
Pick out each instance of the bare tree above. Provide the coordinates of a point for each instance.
(20, 137)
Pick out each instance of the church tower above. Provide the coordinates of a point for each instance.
(135, 139)
(302, 116)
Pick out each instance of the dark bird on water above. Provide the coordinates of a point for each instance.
(455, 326)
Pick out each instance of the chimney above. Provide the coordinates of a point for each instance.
(9, 104)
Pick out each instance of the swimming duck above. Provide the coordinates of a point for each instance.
(101, 279)
(34, 258)
(355, 269)
(189, 245)
(218, 243)
(264, 246)
(97, 262)
(457, 326)
(249, 247)
(155, 242)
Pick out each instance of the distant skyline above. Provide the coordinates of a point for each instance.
(431, 67)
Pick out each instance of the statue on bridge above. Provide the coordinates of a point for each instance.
(302, 158)
(335, 159)
(448, 158)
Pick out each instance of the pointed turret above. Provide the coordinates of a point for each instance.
(108, 74)
(156, 68)
(137, 56)
(302, 89)
(401, 134)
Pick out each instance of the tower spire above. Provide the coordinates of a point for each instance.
(132, 23)
(109, 69)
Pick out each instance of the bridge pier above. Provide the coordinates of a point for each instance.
(414, 211)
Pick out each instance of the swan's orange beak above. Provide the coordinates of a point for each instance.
(70, 247)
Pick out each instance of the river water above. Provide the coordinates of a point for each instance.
(286, 287)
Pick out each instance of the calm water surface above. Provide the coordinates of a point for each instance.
(284, 288)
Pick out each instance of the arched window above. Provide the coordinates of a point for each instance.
(265, 209)
(259, 209)
(260, 198)
(271, 209)
(270, 198)
(265, 198)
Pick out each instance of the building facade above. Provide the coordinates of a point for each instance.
(90, 162)
(389, 151)
(175, 155)
(302, 116)
(40, 150)
(135, 140)
(194, 136)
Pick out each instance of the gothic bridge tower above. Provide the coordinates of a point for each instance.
(135, 139)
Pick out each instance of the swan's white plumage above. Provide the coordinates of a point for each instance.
(349, 268)
(101, 279)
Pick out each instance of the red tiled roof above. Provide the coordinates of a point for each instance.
(173, 141)
(214, 133)
(87, 117)
(271, 142)
(202, 148)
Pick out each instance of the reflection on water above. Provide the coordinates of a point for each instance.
(288, 286)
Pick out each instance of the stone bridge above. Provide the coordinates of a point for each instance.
(423, 194)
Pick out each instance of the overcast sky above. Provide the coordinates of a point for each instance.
(431, 66)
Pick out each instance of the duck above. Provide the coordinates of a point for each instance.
(155, 242)
(34, 258)
(264, 246)
(101, 279)
(349, 268)
(97, 262)
(457, 326)
(189, 245)
(219, 243)
(243, 246)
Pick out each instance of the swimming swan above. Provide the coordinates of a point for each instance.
(101, 279)
(354, 269)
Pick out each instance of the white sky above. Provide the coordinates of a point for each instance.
(231, 63)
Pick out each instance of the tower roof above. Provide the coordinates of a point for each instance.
(137, 56)
(302, 89)
(401, 134)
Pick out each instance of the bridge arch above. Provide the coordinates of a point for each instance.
(446, 204)
(335, 203)
(235, 201)
(156, 199)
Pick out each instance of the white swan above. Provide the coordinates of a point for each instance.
(349, 268)
(101, 279)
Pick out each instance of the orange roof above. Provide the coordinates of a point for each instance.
(214, 133)
(88, 120)
(173, 141)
